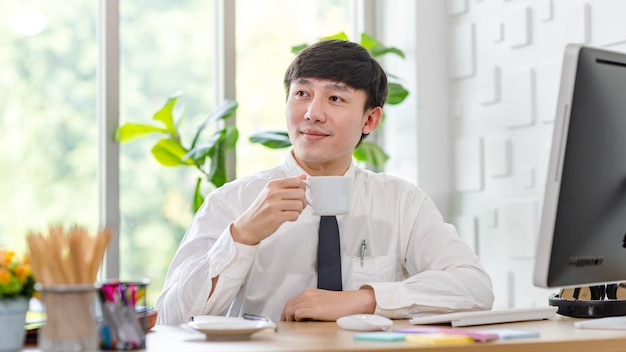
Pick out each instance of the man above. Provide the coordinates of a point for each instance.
(252, 247)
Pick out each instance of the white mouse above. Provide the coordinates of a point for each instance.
(364, 322)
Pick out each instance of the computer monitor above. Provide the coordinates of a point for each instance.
(582, 236)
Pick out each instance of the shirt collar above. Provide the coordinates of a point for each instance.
(291, 167)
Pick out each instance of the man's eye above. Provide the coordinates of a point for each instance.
(336, 98)
(300, 93)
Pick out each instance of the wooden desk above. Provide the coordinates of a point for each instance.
(557, 335)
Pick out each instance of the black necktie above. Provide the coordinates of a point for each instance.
(329, 255)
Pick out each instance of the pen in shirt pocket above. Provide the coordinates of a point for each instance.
(363, 251)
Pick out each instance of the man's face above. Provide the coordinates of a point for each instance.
(325, 120)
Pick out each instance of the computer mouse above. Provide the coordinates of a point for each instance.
(364, 322)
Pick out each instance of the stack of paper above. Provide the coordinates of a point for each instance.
(488, 316)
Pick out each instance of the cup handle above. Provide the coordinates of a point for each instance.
(306, 194)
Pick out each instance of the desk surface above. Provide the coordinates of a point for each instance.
(556, 335)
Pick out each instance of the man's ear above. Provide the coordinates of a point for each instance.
(373, 117)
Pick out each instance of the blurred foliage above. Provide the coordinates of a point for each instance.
(49, 123)
(205, 155)
(368, 152)
(48, 120)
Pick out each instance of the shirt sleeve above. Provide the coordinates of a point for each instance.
(201, 256)
(444, 274)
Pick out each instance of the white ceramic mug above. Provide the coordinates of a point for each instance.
(329, 195)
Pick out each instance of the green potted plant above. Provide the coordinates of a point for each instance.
(17, 285)
(368, 152)
(207, 155)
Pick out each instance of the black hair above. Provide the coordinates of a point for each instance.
(341, 61)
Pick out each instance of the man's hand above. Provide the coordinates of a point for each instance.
(317, 304)
(281, 200)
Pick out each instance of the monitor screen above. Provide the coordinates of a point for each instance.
(582, 236)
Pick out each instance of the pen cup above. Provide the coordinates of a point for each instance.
(70, 318)
(123, 326)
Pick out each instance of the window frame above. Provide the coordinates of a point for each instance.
(108, 72)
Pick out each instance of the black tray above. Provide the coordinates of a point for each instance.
(589, 308)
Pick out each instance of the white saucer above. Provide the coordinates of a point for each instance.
(364, 322)
(227, 328)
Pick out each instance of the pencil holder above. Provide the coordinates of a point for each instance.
(71, 323)
(122, 324)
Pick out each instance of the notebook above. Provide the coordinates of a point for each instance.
(488, 316)
(476, 335)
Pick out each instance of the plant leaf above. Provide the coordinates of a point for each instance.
(371, 153)
(272, 139)
(218, 175)
(166, 114)
(376, 48)
(340, 36)
(130, 131)
(200, 152)
(169, 152)
(226, 136)
(296, 49)
(396, 93)
(231, 136)
(198, 198)
(222, 112)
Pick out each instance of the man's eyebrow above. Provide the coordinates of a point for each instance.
(331, 85)
(337, 86)
(302, 81)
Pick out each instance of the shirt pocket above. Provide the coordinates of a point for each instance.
(374, 269)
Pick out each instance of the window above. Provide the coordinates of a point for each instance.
(48, 109)
(165, 47)
(48, 124)
(266, 31)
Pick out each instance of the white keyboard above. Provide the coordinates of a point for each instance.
(485, 317)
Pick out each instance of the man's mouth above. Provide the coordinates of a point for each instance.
(314, 134)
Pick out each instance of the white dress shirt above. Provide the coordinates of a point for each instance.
(415, 262)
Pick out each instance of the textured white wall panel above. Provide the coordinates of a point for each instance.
(545, 10)
(469, 164)
(517, 27)
(505, 290)
(527, 177)
(576, 27)
(496, 29)
(462, 51)
(547, 78)
(519, 219)
(498, 156)
(519, 97)
(489, 218)
(489, 84)
(608, 22)
(466, 227)
(499, 137)
(457, 7)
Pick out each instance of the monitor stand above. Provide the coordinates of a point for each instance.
(589, 308)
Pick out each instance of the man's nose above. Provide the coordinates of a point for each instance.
(315, 111)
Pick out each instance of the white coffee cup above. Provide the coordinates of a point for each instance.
(329, 195)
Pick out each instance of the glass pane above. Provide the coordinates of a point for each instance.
(166, 46)
(266, 31)
(48, 126)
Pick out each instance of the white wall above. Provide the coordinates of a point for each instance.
(415, 134)
(484, 74)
